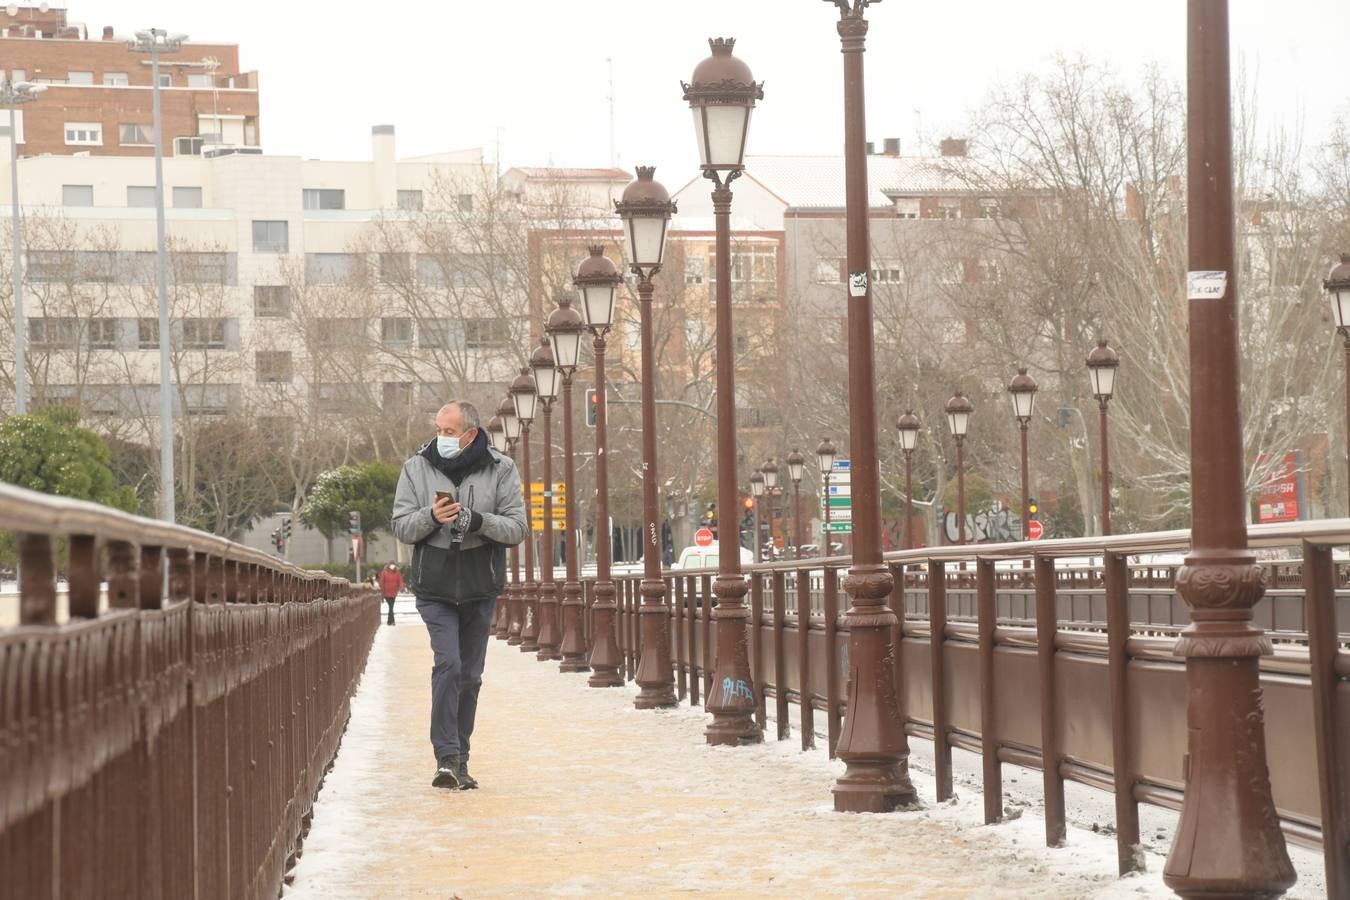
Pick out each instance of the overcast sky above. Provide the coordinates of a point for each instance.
(532, 76)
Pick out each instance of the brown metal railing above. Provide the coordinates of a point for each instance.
(1103, 692)
(172, 745)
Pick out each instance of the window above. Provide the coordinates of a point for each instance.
(396, 331)
(80, 78)
(138, 196)
(466, 203)
(431, 270)
(395, 268)
(331, 268)
(829, 270)
(116, 79)
(208, 399)
(990, 271)
(52, 333)
(200, 80)
(84, 134)
(50, 266)
(102, 333)
(333, 397)
(410, 201)
(323, 198)
(204, 334)
(482, 333)
(147, 334)
(398, 395)
(952, 272)
(165, 80)
(949, 208)
(988, 208)
(271, 301)
(433, 334)
(77, 195)
(187, 198)
(202, 268)
(887, 271)
(694, 269)
(270, 236)
(136, 133)
(274, 366)
(906, 207)
(339, 332)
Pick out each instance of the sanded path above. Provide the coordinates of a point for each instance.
(583, 795)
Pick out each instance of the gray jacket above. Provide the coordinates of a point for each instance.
(493, 491)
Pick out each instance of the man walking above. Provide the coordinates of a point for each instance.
(391, 582)
(459, 504)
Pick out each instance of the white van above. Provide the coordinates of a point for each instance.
(706, 558)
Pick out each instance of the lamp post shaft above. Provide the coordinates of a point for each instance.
(797, 516)
(655, 672)
(529, 607)
(20, 327)
(768, 495)
(605, 648)
(960, 490)
(1106, 467)
(1022, 425)
(513, 619)
(1346, 345)
(873, 743)
(166, 477)
(548, 592)
(909, 500)
(732, 697)
(754, 540)
(573, 629)
(1228, 840)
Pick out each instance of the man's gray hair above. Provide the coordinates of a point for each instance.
(470, 413)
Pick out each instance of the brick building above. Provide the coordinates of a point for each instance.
(99, 93)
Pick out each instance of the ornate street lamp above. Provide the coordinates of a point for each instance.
(825, 453)
(796, 463)
(1228, 840)
(1337, 287)
(770, 472)
(958, 420)
(756, 491)
(598, 282)
(526, 399)
(722, 94)
(497, 440)
(14, 94)
(515, 600)
(1022, 389)
(546, 379)
(1102, 363)
(565, 329)
(908, 426)
(646, 209)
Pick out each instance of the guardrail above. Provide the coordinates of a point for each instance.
(1099, 699)
(173, 745)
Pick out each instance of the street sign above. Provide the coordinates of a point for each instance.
(703, 537)
(1034, 530)
(838, 503)
(841, 490)
(834, 527)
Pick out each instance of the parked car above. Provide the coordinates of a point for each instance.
(706, 558)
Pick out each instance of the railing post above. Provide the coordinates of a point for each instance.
(1319, 585)
(677, 597)
(780, 697)
(804, 660)
(695, 668)
(830, 590)
(937, 624)
(1116, 576)
(84, 577)
(757, 647)
(37, 580)
(1046, 631)
(989, 743)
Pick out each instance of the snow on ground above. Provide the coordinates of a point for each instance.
(584, 795)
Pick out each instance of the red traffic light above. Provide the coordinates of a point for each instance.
(748, 503)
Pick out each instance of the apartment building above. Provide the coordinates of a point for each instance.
(99, 93)
(298, 287)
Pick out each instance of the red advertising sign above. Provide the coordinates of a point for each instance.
(1277, 499)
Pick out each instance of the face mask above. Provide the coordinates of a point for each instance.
(448, 447)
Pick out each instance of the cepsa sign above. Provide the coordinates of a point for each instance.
(1277, 500)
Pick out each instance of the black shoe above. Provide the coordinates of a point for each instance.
(390, 620)
(466, 781)
(447, 773)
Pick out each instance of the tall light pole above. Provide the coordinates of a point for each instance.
(825, 453)
(908, 426)
(497, 440)
(770, 472)
(1022, 389)
(515, 617)
(722, 94)
(565, 328)
(1101, 364)
(646, 209)
(14, 94)
(756, 492)
(1337, 287)
(526, 400)
(1228, 840)
(156, 41)
(598, 281)
(873, 743)
(546, 384)
(796, 463)
(958, 420)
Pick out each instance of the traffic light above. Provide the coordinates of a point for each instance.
(354, 523)
(749, 504)
(1032, 507)
(710, 517)
(592, 400)
(285, 529)
(278, 541)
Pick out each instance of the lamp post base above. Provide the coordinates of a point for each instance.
(732, 700)
(880, 786)
(605, 652)
(574, 641)
(655, 673)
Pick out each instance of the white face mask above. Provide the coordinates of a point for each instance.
(448, 447)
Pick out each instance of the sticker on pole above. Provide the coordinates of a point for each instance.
(1206, 285)
(857, 284)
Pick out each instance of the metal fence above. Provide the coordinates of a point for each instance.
(1090, 694)
(172, 745)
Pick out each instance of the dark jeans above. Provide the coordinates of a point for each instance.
(459, 639)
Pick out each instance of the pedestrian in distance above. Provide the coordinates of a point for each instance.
(391, 582)
(459, 504)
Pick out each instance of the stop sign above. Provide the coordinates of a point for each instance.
(703, 537)
(1034, 530)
